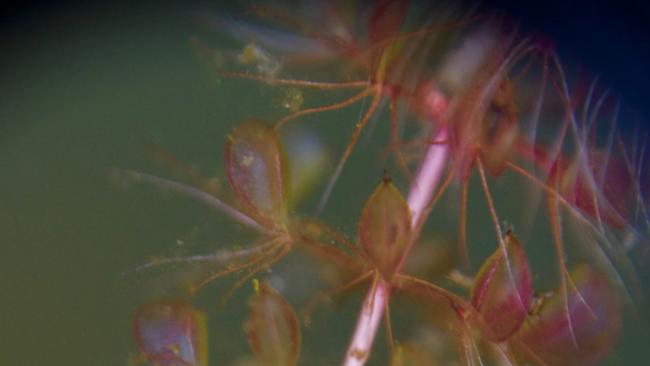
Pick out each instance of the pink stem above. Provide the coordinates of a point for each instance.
(427, 179)
(367, 324)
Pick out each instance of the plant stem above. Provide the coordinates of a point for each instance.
(371, 313)
(428, 176)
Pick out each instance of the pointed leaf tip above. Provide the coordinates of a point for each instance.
(385, 228)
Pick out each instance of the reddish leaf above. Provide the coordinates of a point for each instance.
(385, 228)
(257, 172)
(171, 333)
(546, 337)
(272, 328)
(502, 291)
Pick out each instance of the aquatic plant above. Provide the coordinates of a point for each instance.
(469, 99)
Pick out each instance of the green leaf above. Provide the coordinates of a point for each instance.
(385, 228)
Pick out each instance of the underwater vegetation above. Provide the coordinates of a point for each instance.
(495, 211)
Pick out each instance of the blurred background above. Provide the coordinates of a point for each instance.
(83, 85)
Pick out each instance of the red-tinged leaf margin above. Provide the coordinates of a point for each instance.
(502, 291)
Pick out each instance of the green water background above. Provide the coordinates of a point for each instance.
(83, 90)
